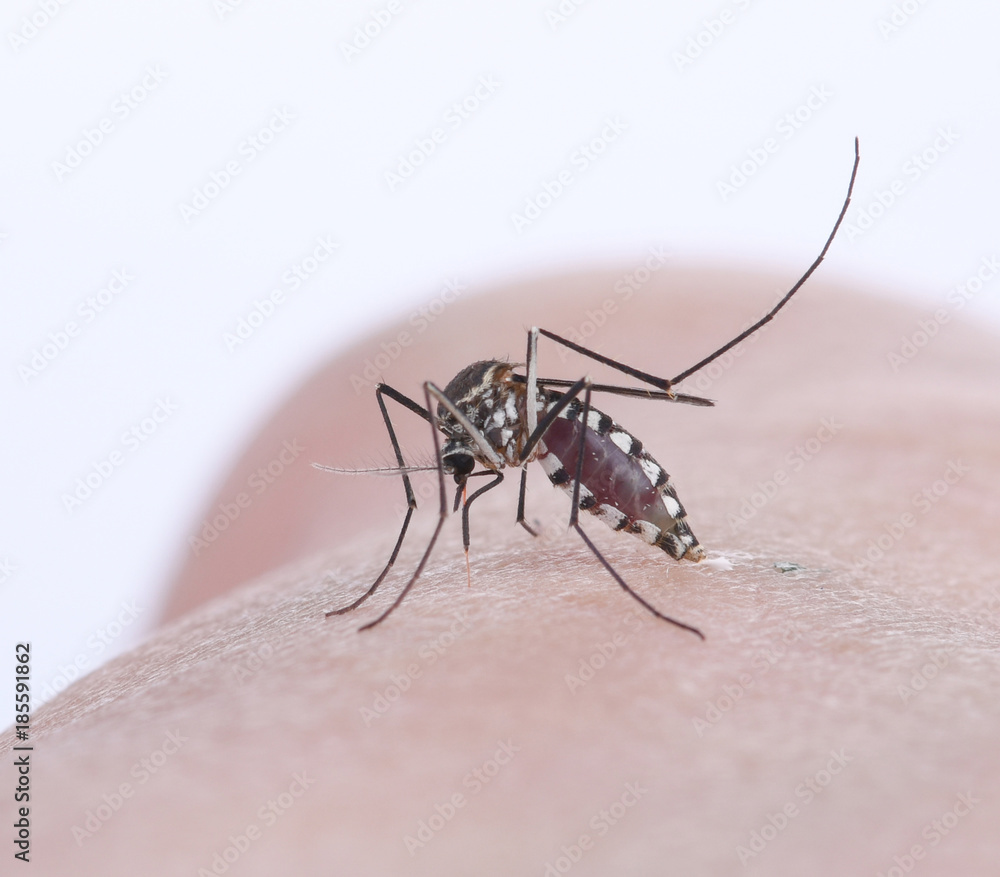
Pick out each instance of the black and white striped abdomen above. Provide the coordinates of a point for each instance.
(620, 482)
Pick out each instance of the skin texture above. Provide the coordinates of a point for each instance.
(830, 723)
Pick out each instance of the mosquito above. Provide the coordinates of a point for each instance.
(494, 417)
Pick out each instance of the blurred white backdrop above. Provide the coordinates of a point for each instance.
(166, 165)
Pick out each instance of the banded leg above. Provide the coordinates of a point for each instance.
(574, 522)
(411, 501)
(770, 314)
(531, 419)
(634, 392)
(666, 385)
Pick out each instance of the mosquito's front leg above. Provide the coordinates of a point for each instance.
(429, 388)
(411, 501)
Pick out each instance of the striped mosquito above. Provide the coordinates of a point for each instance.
(494, 417)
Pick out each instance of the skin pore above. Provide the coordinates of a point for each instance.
(840, 716)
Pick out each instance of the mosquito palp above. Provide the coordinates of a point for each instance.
(376, 470)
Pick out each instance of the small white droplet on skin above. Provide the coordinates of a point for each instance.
(720, 563)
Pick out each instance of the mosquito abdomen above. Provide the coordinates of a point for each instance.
(620, 482)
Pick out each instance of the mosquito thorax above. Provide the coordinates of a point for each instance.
(488, 395)
(476, 384)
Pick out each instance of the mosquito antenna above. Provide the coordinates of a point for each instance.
(770, 314)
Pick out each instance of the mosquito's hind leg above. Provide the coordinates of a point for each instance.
(574, 522)
(663, 383)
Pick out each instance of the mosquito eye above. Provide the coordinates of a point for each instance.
(459, 464)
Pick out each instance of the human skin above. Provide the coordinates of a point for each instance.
(839, 718)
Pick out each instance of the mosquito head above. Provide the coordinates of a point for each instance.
(458, 459)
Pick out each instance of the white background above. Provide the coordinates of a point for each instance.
(221, 70)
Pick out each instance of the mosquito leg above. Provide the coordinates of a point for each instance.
(531, 379)
(382, 575)
(665, 384)
(530, 418)
(645, 377)
(442, 513)
(635, 392)
(628, 590)
(411, 501)
(520, 504)
(430, 390)
(466, 540)
(770, 314)
(551, 415)
(574, 514)
(574, 521)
